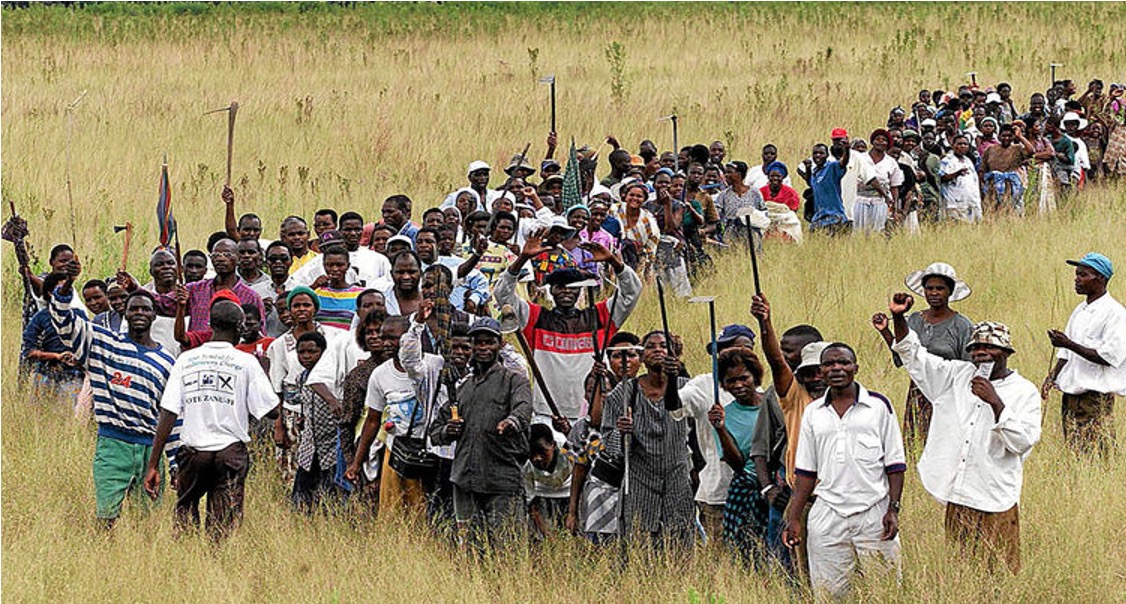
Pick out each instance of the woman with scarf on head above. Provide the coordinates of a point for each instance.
(639, 227)
(782, 203)
(303, 304)
(943, 331)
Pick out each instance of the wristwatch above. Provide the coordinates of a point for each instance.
(895, 506)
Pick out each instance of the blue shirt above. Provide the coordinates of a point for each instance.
(740, 421)
(613, 226)
(827, 203)
(41, 335)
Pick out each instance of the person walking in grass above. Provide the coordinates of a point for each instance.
(128, 372)
(214, 390)
(942, 331)
(850, 454)
(795, 368)
(490, 427)
(1091, 365)
(986, 421)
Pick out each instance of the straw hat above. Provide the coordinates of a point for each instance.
(915, 280)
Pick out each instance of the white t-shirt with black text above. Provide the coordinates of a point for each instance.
(215, 389)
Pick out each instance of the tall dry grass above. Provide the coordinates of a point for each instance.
(374, 101)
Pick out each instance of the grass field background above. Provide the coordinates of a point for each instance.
(342, 107)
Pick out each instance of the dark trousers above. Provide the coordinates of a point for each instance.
(313, 486)
(221, 476)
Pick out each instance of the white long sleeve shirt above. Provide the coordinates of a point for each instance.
(696, 400)
(972, 459)
(1100, 325)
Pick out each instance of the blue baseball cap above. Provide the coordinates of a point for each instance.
(1096, 262)
(730, 333)
(485, 325)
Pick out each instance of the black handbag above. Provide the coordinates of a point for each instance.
(611, 469)
(409, 457)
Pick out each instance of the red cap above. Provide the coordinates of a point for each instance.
(224, 294)
(838, 133)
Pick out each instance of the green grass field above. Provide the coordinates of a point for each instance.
(342, 107)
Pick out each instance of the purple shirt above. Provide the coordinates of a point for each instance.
(199, 302)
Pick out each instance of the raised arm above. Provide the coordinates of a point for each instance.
(230, 221)
(771, 348)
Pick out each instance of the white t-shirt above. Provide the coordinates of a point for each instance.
(215, 389)
(963, 192)
(393, 390)
(886, 172)
(368, 268)
(341, 357)
(757, 179)
(1100, 325)
(696, 398)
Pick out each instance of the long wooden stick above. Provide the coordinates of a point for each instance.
(536, 373)
(125, 248)
(231, 138)
(69, 193)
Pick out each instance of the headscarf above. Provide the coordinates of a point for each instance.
(777, 166)
(301, 289)
(572, 209)
(880, 132)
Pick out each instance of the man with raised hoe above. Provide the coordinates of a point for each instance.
(560, 338)
(986, 420)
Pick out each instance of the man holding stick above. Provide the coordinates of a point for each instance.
(560, 338)
(1091, 365)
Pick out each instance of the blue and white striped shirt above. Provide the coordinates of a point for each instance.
(127, 379)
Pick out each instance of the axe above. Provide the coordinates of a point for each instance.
(128, 228)
(231, 110)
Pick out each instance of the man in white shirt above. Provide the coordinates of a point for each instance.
(756, 176)
(851, 449)
(367, 268)
(986, 421)
(213, 389)
(1091, 366)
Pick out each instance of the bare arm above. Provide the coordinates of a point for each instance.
(230, 221)
(771, 348)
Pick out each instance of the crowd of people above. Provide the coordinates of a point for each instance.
(471, 372)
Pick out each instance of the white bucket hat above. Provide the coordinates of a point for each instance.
(914, 281)
(1071, 116)
(811, 354)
